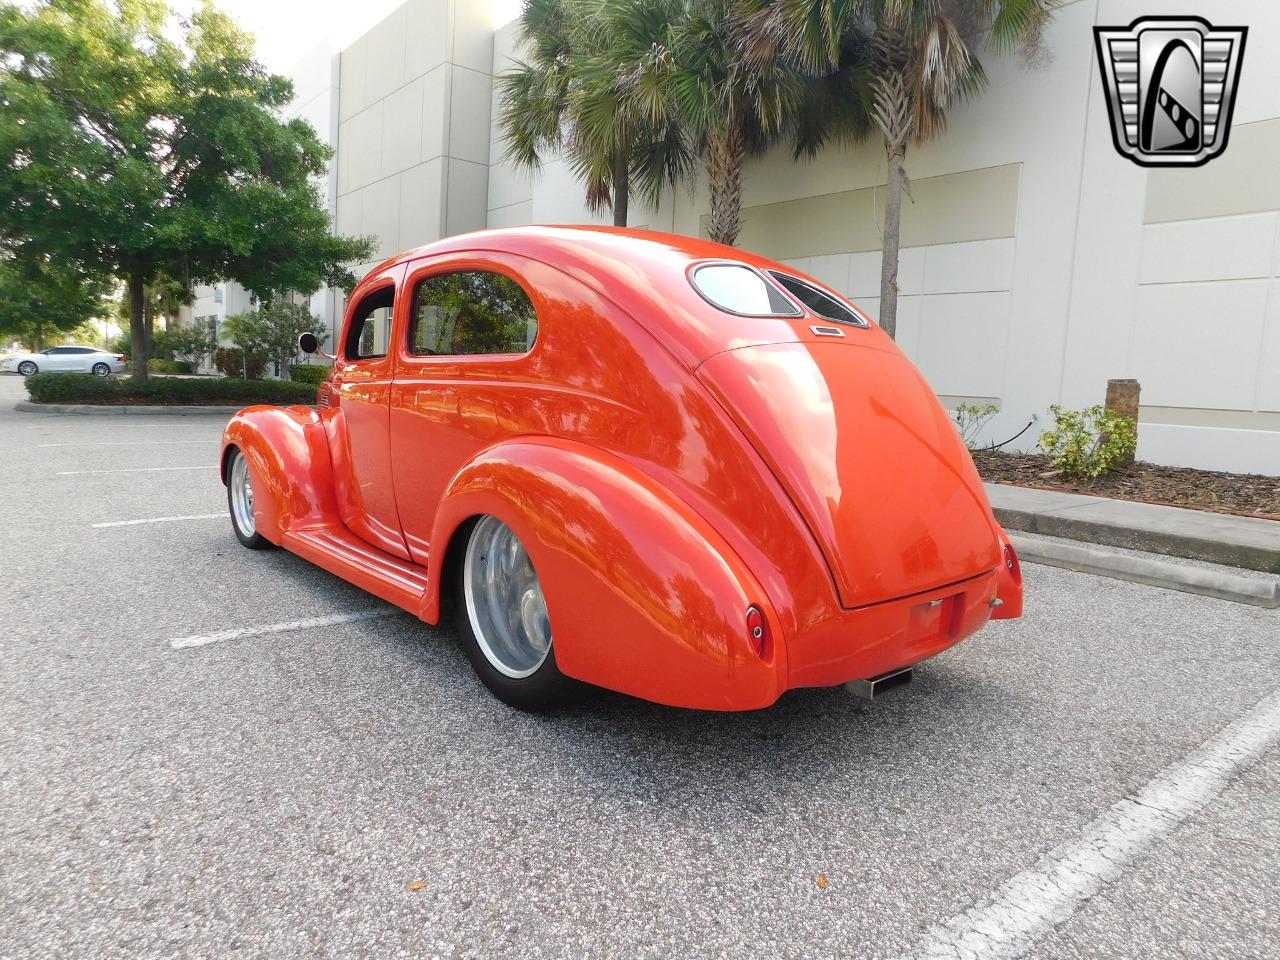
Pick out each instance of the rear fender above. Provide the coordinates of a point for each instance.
(290, 467)
(1008, 582)
(643, 596)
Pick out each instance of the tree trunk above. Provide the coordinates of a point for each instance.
(149, 321)
(137, 327)
(621, 190)
(892, 238)
(38, 343)
(724, 157)
(1123, 401)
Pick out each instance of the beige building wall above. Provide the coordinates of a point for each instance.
(1038, 262)
(413, 125)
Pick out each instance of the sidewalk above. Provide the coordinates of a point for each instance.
(1247, 542)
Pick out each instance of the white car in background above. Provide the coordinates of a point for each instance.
(65, 359)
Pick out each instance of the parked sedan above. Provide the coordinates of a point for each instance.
(66, 359)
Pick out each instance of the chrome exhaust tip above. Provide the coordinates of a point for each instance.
(877, 687)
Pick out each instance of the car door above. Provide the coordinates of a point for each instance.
(357, 417)
(55, 360)
(81, 359)
(465, 368)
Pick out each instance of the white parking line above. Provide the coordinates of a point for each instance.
(120, 443)
(183, 643)
(1030, 905)
(53, 419)
(77, 473)
(134, 523)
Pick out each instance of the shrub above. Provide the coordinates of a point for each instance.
(970, 421)
(304, 373)
(229, 362)
(1088, 443)
(86, 388)
(272, 331)
(169, 366)
(190, 344)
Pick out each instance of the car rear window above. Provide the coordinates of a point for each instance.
(819, 301)
(737, 288)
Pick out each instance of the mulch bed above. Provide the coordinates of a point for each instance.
(1240, 493)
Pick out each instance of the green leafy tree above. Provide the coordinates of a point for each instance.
(141, 146)
(161, 299)
(587, 88)
(918, 57)
(40, 298)
(189, 343)
(271, 334)
(249, 333)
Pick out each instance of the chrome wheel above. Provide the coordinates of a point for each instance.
(241, 492)
(101, 370)
(505, 605)
(27, 368)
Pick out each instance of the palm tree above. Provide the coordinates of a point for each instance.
(732, 105)
(919, 58)
(583, 89)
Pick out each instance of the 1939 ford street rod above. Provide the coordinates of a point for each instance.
(651, 463)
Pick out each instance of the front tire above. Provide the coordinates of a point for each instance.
(27, 368)
(240, 503)
(501, 618)
(101, 370)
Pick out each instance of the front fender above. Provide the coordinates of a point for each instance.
(643, 596)
(290, 467)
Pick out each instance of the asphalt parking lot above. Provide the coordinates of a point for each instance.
(352, 790)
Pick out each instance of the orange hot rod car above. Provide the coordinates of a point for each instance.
(647, 462)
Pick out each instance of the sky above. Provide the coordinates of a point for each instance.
(287, 30)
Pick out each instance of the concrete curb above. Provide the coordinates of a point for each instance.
(1157, 573)
(1248, 542)
(106, 410)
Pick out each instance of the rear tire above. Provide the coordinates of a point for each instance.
(27, 368)
(101, 370)
(500, 616)
(240, 503)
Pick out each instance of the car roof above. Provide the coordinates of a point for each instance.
(642, 271)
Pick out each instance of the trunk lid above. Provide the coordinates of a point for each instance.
(870, 459)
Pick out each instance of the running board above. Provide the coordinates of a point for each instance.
(341, 552)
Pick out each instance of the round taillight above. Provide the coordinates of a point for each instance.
(1011, 562)
(757, 631)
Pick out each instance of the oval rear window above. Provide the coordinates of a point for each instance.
(736, 288)
(819, 301)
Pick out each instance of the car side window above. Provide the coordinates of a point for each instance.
(471, 312)
(370, 328)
